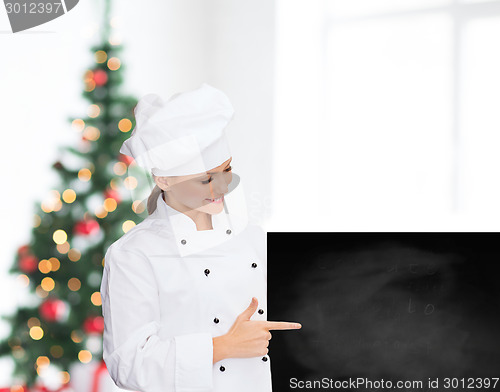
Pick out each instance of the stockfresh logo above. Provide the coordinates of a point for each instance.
(24, 15)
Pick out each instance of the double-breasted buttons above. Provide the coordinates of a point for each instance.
(261, 311)
(264, 359)
(183, 242)
(207, 271)
(222, 368)
(216, 320)
(254, 265)
(228, 231)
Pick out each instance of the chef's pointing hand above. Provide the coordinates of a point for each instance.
(247, 338)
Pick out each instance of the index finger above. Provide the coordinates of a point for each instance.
(282, 325)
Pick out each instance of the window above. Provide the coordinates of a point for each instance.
(412, 89)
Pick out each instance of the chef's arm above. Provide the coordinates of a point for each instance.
(136, 356)
(220, 348)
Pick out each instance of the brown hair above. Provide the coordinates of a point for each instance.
(153, 199)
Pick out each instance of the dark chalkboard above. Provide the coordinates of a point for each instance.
(385, 306)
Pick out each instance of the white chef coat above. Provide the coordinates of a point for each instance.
(161, 310)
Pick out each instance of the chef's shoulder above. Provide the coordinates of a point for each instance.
(141, 240)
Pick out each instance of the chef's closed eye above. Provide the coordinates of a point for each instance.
(207, 181)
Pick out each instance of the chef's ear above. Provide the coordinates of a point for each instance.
(162, 182)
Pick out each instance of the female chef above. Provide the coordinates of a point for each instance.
(184, 291)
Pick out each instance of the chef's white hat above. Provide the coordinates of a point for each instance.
(182, 136)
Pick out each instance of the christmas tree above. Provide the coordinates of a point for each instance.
(62, 264)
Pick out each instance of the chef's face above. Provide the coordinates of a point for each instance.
(203, 192)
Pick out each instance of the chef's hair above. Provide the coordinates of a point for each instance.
(153, 199)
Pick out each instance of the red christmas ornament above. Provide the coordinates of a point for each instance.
(93, 325)
(23, 250)
(28, 263)
(100, 77)
(52, 309)
(111, 193)
(126, 159)
(87, 227)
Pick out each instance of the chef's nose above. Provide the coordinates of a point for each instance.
(218, 185)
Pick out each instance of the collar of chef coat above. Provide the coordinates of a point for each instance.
(189, 240)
